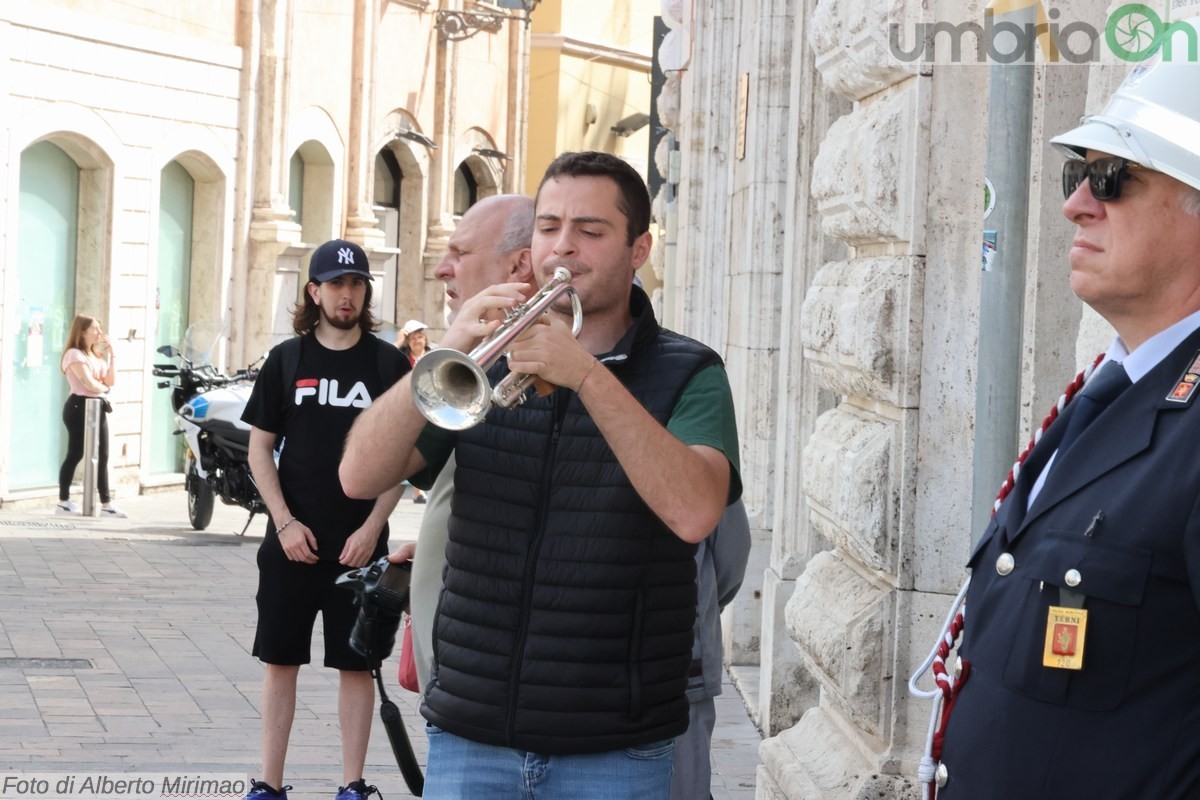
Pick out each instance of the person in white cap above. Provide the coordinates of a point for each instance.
(413, 341)
(1080, 658)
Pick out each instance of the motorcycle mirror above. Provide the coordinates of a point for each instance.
(168, 351)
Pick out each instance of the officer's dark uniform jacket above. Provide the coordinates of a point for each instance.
(1128, 724)
(565, 622)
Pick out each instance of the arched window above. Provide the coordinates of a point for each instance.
(466, 189)
(389, 179)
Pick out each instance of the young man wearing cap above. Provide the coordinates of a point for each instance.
(1081, 644)
(314, 531)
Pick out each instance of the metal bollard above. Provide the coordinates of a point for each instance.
(91, 453)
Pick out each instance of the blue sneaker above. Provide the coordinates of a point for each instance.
(261, 790)
(357, 790)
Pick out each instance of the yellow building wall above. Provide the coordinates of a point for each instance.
(589, 68)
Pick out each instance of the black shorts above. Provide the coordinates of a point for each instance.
(290, 593)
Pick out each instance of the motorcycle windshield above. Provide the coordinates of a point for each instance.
(201, 342)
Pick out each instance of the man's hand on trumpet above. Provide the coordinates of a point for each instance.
(480, 316)
(547, 349)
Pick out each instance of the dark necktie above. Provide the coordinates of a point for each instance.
(1096, 396)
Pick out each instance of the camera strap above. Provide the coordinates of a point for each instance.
(389, 712)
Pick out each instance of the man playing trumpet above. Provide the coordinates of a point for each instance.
(563, 634)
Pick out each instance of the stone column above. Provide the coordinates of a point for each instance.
(272, 231)
(786, 687)
(250, 41)
(714, 237)
(441, 176)
(751, 246)
(706, 140)
(518, 109)
(361, 225)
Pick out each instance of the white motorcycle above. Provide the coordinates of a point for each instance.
(208, 413)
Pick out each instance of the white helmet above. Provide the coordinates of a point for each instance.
(1154, 118)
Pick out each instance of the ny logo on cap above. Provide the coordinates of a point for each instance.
(345, 256)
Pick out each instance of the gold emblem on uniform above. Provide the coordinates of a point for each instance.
(1066, 629)
(1187, 384)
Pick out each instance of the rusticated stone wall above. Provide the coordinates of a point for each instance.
(887, 337)
(839, 258)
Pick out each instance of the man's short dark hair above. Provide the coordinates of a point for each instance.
(306, 314)
(634, 199)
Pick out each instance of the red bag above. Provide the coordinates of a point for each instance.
(408, 665)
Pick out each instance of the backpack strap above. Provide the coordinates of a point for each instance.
(389, 371)
(289, 351)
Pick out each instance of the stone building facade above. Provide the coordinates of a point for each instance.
(174, 166)
(828, 243)
(167, 165)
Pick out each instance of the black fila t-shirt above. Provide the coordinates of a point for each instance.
(330, 389)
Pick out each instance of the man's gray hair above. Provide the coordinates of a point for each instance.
(518, 229)
(1191, 201)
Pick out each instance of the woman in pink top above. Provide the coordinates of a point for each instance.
(88, 364)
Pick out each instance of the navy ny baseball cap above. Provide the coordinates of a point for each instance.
(337, 258)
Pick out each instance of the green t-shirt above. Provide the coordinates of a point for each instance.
(703, 415)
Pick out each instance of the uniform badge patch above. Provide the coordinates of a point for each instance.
(1066, 630)
(1185, 387)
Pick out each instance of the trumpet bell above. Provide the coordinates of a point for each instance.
(450, 390)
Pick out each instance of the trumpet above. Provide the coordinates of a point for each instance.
(451, 388)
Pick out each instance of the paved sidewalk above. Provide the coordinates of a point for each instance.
(125, 648)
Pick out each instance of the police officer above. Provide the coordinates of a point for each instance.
(1082, 626)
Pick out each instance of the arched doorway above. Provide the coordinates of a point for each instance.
(466, 189)
(388, 208)
(401, 208)
(474, 179)
(45, 271)
(172, 298)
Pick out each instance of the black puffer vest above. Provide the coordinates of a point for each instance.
(565, 624)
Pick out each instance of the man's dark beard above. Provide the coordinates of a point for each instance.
(341, 324)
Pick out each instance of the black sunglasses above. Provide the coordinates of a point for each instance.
(1104, 176)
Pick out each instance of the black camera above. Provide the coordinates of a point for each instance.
(382, 595)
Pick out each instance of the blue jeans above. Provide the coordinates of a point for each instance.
(460, 769)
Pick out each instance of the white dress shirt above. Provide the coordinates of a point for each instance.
(1137, 364)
